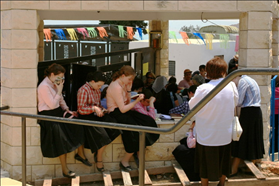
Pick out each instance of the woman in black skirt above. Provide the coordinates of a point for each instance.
(58, 139)
(214, 125)
(250, 145)
(119, 106)
(89, 108)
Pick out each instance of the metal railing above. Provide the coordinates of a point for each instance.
(273, 133)
(141, 129)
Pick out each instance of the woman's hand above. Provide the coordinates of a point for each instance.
(99, 111)
(59, 87)
(152, 99)
(141, 97)
(73, 113)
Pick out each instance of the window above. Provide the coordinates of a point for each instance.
(171, 68)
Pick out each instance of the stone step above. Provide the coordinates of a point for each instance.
(4, 174)
(10, 182)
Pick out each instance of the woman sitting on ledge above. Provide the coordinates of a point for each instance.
(119, 106)
(58, 139)
(89, 108)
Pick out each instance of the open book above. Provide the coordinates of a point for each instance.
(176, 116)
(135, 96)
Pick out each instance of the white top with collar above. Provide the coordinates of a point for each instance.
(214, 120)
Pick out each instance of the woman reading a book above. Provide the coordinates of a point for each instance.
(119, 106)
(89, 108)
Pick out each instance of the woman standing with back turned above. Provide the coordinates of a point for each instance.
(119, 106)
(214, 125)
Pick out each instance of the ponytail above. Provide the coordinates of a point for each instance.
(126, 70)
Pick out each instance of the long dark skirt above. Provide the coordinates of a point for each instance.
(185, 156)
(97, 137)
(250, 145)
(59, 138)
(212, 162)
(130, 138)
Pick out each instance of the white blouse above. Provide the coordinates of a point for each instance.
(214, 120)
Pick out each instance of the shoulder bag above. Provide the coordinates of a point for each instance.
(236, 127)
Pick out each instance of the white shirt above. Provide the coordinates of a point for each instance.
(214, 120)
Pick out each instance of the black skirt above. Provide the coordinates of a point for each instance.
(59, 138)
(131, 139)
(250, 145)
(185, 156)
(211, 162)
(97, 137)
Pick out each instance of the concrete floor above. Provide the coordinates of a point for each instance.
(6, 181)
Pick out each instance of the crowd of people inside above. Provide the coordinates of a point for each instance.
(132, 101)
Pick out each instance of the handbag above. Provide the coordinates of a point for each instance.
(236, 127)
(191, 140)
(68, 114)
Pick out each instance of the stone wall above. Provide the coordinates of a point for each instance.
(19, 49)
(255, 52)
(162, 55)
(38, 167)
(22, 48)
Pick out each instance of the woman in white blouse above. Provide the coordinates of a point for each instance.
(214, 125)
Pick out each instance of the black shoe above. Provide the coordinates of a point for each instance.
(102, 169)
(232, 175)
(84, 161)
(70, 174)
(127, 169)
(249, 173)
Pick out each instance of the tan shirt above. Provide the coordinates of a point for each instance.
(117, 92)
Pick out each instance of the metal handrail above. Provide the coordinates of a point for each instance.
(95, 56)
(141, 129)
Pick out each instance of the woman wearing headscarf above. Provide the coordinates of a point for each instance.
(163, 101)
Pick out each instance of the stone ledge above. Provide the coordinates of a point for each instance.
(65, 5)
(30, 5)
(223, 6)
(245, 6)
(5, 5)
(95, 5)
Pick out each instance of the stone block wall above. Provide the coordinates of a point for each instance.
(38, 167)
(19, 43)
(22, 48)
(162, 55)
(275, 43)
(255, 51)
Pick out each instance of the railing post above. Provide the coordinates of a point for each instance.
(141, 158)
(23, 147)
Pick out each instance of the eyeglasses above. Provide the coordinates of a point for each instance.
(150, 78)
(60, 78)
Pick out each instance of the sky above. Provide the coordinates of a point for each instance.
(174, 25)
